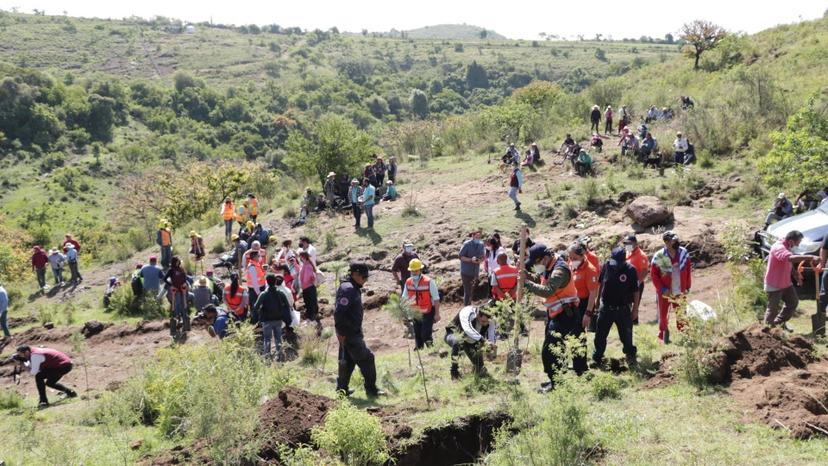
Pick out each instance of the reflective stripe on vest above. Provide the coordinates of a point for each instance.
(228, 212)
(420, 295)
(166, 238)
(567, 295)
(234, 302)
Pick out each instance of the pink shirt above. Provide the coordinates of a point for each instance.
(307, 276)
(778, 275)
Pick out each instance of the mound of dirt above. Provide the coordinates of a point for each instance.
(37, 335)
(757, 351)
(664, 375)
(289, 418)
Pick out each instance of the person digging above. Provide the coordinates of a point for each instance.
(472, 331)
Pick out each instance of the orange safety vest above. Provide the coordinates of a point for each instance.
(228, 211)
(506, 277)
(420, 295)
(254, 206)
(568, 295)
(242, 215)
(234, 302)
(259, 272)
(166, 237)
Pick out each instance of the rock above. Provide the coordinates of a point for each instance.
(647, 211)
(626, 196)
(49, 325)
(379, 255)
(136, 444)
(93, 327)
(369, 292)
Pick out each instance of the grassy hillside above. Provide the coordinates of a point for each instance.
(453, 32)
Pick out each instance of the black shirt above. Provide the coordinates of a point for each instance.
(619, 283)
(401, 265)
(272, 305)
(348, 311)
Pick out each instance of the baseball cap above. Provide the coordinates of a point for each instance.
(536, 253)
(630, 239)
(360, 268)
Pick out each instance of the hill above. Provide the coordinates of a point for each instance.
(453, 32)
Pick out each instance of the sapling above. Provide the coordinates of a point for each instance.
(401, 310)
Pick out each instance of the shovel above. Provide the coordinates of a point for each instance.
(514, 359)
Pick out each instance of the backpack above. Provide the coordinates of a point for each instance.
(137, 285)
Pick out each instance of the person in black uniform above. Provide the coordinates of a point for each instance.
(618, 297)
(348, 324)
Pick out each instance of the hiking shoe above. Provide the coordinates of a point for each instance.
(43, 405)
(596, 364)
(455, 373)
(70, 394)
(375, 393)
(632, 361)
(346, 392)
(546, 387)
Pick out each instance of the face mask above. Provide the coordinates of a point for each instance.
(576, 264)
(629, 247)
(408, 250)
(540, 268)
(415, 275)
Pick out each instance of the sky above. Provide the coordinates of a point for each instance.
(516, 19)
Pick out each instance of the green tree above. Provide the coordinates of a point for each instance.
(701, 36)
(333, 144)
(476, 76)
(419, 103)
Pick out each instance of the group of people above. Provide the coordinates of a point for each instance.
(784, 208)
(57, 259)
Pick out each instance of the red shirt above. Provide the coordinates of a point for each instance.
(73, 243)
(54, 358)
(39, 259)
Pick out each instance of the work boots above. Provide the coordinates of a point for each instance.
(455, 372)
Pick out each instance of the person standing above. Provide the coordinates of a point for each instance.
(516, 185)
(72, 259)
(670, 271)
(56, 260)
(370, 175)
(69, 239)
(348, 324)
(392, 169)
(369, 195)
(271, 309)
(557, 288)
(400, 267)
(619, 305)
(253, 206)
(255, 276)
(778, 283)
(228, 214)
(638, 259)
(608, 120)
(595, 118)
(39, 261)
(493, 248)
(151, 276)
(421, 291)
(472, 330)
(261, 257)
(504, 279)
(307, 280)
(307, 245)
(329, 188)
(4, 313)
(48, 366)
(585, 276)
(472, 253)
(379, 171)
(179, 287)
(164, 239)
(354, 193)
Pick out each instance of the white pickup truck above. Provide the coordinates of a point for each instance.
(813, 224)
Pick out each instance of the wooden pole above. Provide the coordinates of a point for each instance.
(521, 262)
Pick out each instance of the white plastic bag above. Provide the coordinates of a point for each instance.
(294, 318)
(701, 310)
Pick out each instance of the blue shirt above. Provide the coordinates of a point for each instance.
(432, 288)
(368, 195)
(220, 325)
(392, 192)
(353, 191)
(471, 248)
(72, 255)
(152, 275)
(4, 300)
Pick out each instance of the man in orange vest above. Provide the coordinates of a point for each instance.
(164, 239)
(504, 279)
(253, 206)
(638, 259)
(422, 293)
(585, 276)
(228, 214)
(561, 303)
(255, 276)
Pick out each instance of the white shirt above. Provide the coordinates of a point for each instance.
(472, 332)
(491, 260)
(311, 250)
(285, 291)
(35, 361)
(680, 144)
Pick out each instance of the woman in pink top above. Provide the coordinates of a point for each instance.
(307, 280)
(778, 283)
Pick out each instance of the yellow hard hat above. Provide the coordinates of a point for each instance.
(234, 237)
(250, 225)
(193, 233)
(415, 265)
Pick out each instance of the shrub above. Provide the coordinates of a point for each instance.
(604, 385)
(10, 399)
(123, 302)
(353, 435)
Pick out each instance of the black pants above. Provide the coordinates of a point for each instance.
(423, 330)
(73, 268)
(357, 214)
(594, 126)
(622, 318)
(473, 350)
(583, 304)
(557, 329)
(468, 288)
(352, 353)
(49, 378)
(311, 306)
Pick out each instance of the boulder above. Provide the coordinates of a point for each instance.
(92, 327)
(647, 211)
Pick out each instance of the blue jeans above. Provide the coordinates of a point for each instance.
(58, 273)
(369, 214)
(4, 323)
(513, 192)
(228, 228)
(166, 256)
(272, 328)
